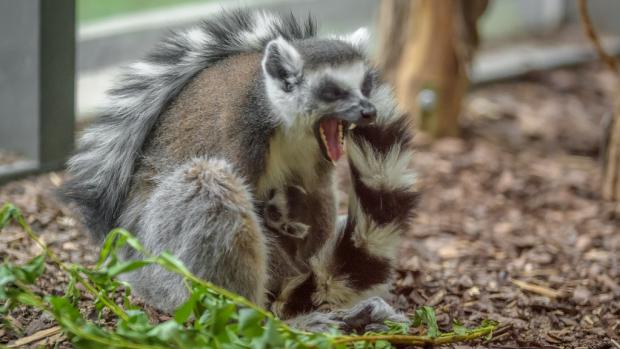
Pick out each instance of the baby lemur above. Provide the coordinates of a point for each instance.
(220, 148)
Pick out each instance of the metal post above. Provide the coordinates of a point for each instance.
(37, 83)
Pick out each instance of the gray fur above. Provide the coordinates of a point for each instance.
(321, 52)
(211, 206)
(197, 137)
(368, 315)
(102, 168)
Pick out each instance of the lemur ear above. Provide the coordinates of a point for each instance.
(282, 62)
(359, 38)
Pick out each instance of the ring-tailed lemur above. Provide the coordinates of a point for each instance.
(219, 148)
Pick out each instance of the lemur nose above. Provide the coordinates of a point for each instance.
(368, 112)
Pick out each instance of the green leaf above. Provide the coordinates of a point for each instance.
(28, 299)
(250, 322)
(223, 316)
(165, 331)
(64, 309)
(426, 315)
(6, 275)
(100, 278)
(6, 214)
(72, 294)
(220, 321)
(489, 323)
(397, 327)
(183, 312)
(115, 240)
(133, 242)
(458, 328)
(110, 241)
(271, 336)
(30, 272)
(135, 326)
(127, 266)
(137, 317)
(381, 344)
(172, 263)
(360, 345)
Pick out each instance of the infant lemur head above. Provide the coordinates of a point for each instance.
(321, 85)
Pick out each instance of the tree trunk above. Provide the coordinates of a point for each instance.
(426, 47)
(611, 142)
(393, 26)
(611, 179)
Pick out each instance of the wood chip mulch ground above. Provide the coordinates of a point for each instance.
(511, 225)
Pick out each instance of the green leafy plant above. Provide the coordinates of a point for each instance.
(212, 317)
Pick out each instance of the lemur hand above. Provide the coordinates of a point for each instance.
(369, 315)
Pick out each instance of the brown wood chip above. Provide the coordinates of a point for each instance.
(36, 337)
(541, 290)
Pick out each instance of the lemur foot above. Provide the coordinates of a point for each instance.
(317, 322)
(370, 315)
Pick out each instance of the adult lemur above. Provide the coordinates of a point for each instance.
(219, 148)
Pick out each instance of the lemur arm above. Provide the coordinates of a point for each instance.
(359, 262)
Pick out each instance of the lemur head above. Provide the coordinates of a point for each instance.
(322, 85)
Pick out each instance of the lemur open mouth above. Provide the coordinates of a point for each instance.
(331, 132)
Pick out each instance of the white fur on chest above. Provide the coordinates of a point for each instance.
(292, 159)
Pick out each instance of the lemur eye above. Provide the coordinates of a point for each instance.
(368, 84)
(330, 92)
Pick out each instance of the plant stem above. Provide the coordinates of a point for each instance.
(117, 341)
(19, 218)
(76, 330)
(417, 340)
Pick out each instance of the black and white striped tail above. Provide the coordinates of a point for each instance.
(359, 263)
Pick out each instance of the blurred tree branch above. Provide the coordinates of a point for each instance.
(588, 28)
(426, 48)
(611, 145)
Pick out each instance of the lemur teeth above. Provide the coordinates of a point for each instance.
(323, 138)
(340, 134)
(352, 126)
(301, 189)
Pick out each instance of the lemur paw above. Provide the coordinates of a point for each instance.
(295, 229)
(370, 315)
(277, 215)
(317, 322)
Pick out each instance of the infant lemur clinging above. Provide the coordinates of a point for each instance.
(220, 147)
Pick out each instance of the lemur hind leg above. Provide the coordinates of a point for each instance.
(203, 214)
(357, 267)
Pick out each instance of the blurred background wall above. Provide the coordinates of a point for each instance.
(517, 36)
(114, 32)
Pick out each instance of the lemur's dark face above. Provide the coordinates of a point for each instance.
(339, 98)
(321, 85)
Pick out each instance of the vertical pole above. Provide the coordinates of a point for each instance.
(19, 72)
(37, 83)
(57, 81)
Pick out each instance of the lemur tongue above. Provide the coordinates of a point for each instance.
(333, 144)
